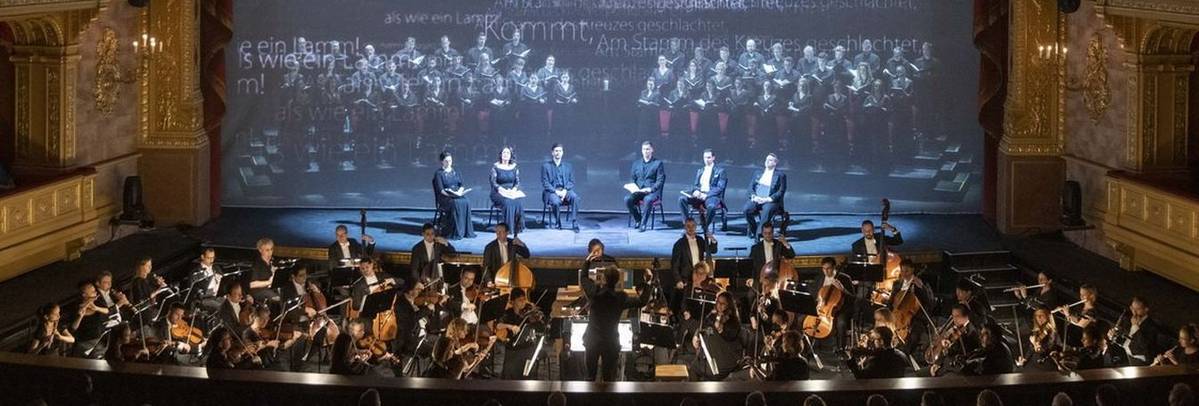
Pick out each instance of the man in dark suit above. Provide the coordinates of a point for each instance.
(766, 191)
(909, 284)
(344, 360)
(230, 312)
(649, 176)
(769, 249)
(427, 254)
(558, 186)
(830, 277)
(608, 303)
(707, 190)
(207, 281)
(870, 246)
(372, 281)
(348, 248)
(689, 250)
(881, 360)
(970, 294)
(501, 251)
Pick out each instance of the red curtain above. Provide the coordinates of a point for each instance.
(216, 29)
(991, 39)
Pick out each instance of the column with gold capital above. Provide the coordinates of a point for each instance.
(175, 158)
(1030, 168)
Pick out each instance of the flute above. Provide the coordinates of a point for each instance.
(1060, 309)
(1022, 288)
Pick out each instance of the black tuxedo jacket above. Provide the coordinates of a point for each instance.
(356, 251)
(360, 289)
(778, 185)
(757, 254)
(491, 257)
(680, 257)
(607, 305)
(859, 246)
(716, 183)
(422, 265)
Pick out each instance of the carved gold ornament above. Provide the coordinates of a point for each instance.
(108, 73)
(1097, 94)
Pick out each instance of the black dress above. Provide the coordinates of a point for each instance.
(457, 223)
(511, 210)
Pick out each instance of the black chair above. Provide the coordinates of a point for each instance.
(545, 211)
(656, 205)
(721, 210)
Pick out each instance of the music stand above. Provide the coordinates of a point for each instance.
(376, 303)
(734, 268)
(658, 335)
(493, 309)
(864, 272)
(798, 301)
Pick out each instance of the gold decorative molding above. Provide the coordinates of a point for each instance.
(1153, 229)
(171, 103)
(1158, 58)
(45, 60)
(1183, 11)
(107, 89)
(1097, 93)
(1034, 121)
(47, 223)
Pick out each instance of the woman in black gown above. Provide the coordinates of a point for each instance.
(451, 197)
(505, 181)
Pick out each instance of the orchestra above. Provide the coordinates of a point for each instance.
(491, 323)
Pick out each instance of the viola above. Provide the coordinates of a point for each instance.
(182, 331)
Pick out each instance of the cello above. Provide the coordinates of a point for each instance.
(890, 261)
(829, 298)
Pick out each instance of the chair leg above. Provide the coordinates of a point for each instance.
(724, 219)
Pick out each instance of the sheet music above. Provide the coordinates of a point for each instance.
(632, 187)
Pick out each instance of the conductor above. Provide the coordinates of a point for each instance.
(602, 339)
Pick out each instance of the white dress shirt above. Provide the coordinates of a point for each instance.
(693, 245)
(768, 250)
(345, 249)
(503, 251)
(705, 180)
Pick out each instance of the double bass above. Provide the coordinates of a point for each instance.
(890, 261)
(514, 274)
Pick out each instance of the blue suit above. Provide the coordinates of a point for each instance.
(559, 177)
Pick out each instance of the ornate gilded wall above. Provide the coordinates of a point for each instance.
(1097, 101)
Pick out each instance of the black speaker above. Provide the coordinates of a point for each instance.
(139, 3)
(1072, 204)
(133, 209)
(1068, 6)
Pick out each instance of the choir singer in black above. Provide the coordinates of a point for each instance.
(648, 178)
(766, 193)
(608, 303)
(558, 186)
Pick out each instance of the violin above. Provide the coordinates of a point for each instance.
(371, 349)
(184, 332)
(941, 344)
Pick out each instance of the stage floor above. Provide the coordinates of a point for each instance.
(399, 230)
